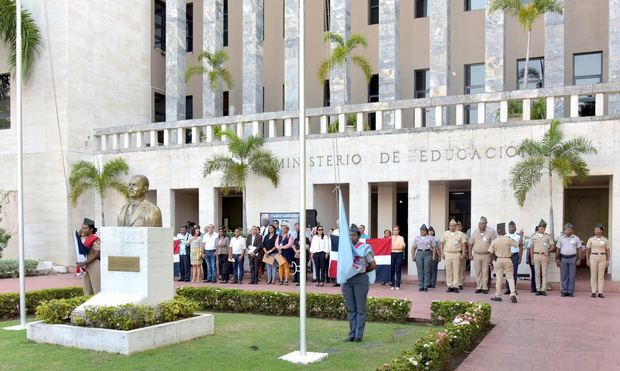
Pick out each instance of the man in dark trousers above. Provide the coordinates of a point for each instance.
(255, 253)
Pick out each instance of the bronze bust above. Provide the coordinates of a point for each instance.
(139, 212)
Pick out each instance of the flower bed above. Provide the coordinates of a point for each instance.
(464, 322)
(9, 303)
(10, 268)
(287, 304)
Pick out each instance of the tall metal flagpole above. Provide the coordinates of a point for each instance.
(302, 182)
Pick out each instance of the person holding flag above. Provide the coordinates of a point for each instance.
(88, 244)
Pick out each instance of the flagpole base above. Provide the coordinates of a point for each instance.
(14, 328)
(310, 357)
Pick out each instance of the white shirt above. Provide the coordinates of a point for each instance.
(264, 230)
(209, 241)
(320, 245)
(238, 245)
(517, 237)
(183, 238)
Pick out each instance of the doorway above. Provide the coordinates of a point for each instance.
(185, 206)
(232, 210)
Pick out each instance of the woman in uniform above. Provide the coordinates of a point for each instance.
(597, 258)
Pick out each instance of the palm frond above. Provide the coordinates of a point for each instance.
(334, 37)
(323, 71)
(527, 16)
(204, 55)
(214, 79)
(548, 6)
(217, 163)
(119, 187)
(235, 177)
(263, 163)
(31, 37)
(511, 7)
(78, 190)
(531, 147)
(218, 58)
(114, 168)
(356, 40)
(563, 167)
(339, 56)
(364, 65)
(577, 146)
(193, 71)
(553, 137)
(525, 175)
(227, 78)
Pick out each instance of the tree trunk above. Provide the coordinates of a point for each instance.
(526, 73)
(102, 212)
(245, 221)
(551, 204)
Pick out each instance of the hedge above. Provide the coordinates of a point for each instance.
(9, 303)
(59, 310)
(287, 304)
(10, 268)
(464, 322)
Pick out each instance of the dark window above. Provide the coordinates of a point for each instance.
(189, 17)
(160, 25)
(326, 95)
(474, 83)
(373, 96)
(159, 105)
(226, 103)
(283, 97)
(225, 22)
(189, 107)
(421, 8)
(422, 83)
(587, 69)
(5, 101)
(263, 99)
(373, 11)
(474, 4)
(326, 4)
(535, 73)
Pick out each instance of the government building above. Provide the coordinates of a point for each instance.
(431, 135)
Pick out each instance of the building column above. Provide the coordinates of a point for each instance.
(252, 57)
(340, 76)
(360, 209)
(389, 56)
(418, 211)
(291, 58)
(166, 203)
(206, 206)
(494, 58)
(439, 52)
(176, 45)
(614, 54)
(212, 41)
(386, 206)
(554, 56)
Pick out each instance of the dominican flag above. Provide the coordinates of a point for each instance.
(333, 257)
(382, 247)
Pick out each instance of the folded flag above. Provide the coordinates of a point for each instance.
(382, 248)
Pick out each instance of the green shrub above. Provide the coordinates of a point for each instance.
(9, 303)
(445, 311)
(58, 310)
(287, 304)
(10, 268)
(172, 310)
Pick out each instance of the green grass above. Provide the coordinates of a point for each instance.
(241, 342)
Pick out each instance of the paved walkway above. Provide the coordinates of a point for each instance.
(538, 333)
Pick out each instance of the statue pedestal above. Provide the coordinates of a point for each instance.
(136, 266)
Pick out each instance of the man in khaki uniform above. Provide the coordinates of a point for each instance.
(542, 243)
(597, 258)
(462, 271)
(479, 244)
(453, 251)
(501, 248)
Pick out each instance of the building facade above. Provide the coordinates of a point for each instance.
(431, 136)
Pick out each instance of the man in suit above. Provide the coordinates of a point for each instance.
(255, 253)
(264, 229)
(139, 212)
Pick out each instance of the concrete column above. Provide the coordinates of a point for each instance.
(166, 203)
(554, 56)
(175, 59)
(360, 209)
(494, 58)
(614, 223)
(389, 56)
(439, 209)
(418, 211)
(614, 58)
(439, 51)
(206, 206)
(340, 77)
(386, 206)
(291, 58)
(212, 41)
(252, 56)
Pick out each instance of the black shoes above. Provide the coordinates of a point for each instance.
(601, 296)
(533, 290)
(593, 295)
(455, 290)
(543, 293)
(449, 289)
(460, 287)
(513, 299)
(357, 340)
(538, 293)
(507, 292)
(478, 291)
(486, 291)
(496, 298)
(563, 294)
(571, 294)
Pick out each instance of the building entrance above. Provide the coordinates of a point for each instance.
(232, 210)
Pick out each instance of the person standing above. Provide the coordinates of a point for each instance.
(567, 258)
(269, 249)
(355, 289)
(542, 243)
(264, 229)
(387, 234)
(501, 248)
(453, 251)
(208, 247)
(597, 258)
(530, 262)
(91, 280)
(516, 253)
(284, 243)
(237, 253)
(423, 252)
(463, 270)
(184, 266)
(297, 246)
(479, 244)
(397, 258)
(436, 259)
(254, 242)
(222, 244)
(363, 235)
(276, 225)
(319, 250)
(195, 254)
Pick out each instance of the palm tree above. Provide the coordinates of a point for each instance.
(342, 54)
(31, 36)
(527, 13)
(550, 155)
(246, 156)
(213, 67)
(86, 176)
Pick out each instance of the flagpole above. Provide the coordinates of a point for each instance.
(302, 182)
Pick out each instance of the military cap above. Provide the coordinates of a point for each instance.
(452, 222)
(355, 229)
(599, 225)
(568, 225)
(89, 222)
(501, 226)
(459, 223)
(542, 223)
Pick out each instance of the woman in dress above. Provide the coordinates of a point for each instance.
(195, 254)
(319, 250)
(221, 249)
(269, 248)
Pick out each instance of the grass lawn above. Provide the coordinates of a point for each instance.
(241, 341)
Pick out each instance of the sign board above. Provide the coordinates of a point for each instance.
(124, 263)
(284, 218)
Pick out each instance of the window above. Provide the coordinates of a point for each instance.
(225, 22)
(535, 75)
(326, 96)
(373, 96)
(326, 4)
(189, 107)
(5, 101)
(421, 8)
(474, 83)
(373, 11)
(189, 18)
(160, 25)
(587, 69)
(474, 4)
(283, 98)
(226, 103)
(159, 105)
(422, 90)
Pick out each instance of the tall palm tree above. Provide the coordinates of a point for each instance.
(342, 54)
(31, 36)
(550, 155)
(87, 176)
(527, 13)
(246, 156)
(212, 65)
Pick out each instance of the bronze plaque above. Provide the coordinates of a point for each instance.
(124, 263)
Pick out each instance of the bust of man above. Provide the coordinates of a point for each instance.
(139, 212)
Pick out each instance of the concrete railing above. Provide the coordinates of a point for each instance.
(395, 115)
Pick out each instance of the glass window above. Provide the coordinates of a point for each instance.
(226, 104)
(159, 106)
(160, 25)
(474, 4)
(422, 83)
(373, 11)
(189, 17)
(474, 83)
(5, 101)
(326, 5)
(588, 69)
(535, 75)
(225, 22)
(326, 95)
(189, 107)
(421, 8)
(373, 96)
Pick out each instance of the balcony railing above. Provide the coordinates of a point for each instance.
(405, 114)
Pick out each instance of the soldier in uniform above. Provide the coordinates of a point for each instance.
(463, 270)
(423, 252)
(542, 243)
(517, 252)
(501, 250)
(453, 252)
(597, 258)
(479, 244)
(567, 259)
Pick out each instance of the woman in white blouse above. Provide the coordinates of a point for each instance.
(319, 249)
